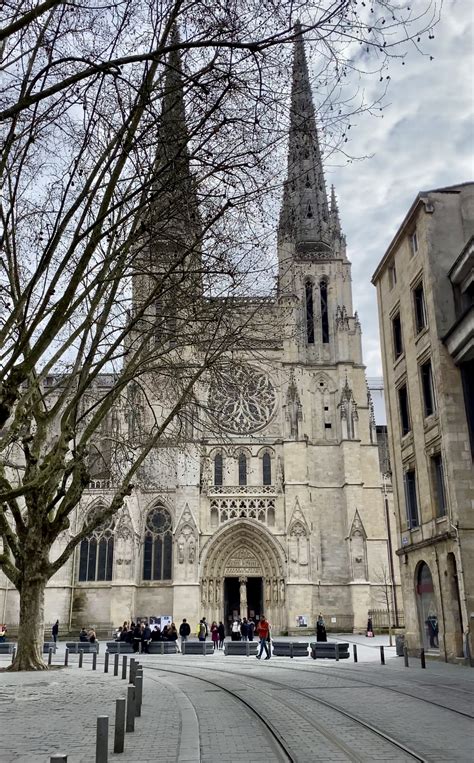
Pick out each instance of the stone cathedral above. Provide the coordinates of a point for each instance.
(284, 515)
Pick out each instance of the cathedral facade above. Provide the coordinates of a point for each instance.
(281, 510)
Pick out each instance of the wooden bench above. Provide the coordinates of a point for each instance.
(326, 650)
(290, 649)
(241, 648)
(119, 647)
(162, 647)
(7, 647)
(82, 646)
(198, 647)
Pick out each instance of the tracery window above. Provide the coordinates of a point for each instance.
(218, 469)
(242, 469)
(323, 290)
(267, 469)
(157, 545)
(309, 312)
(96, 554)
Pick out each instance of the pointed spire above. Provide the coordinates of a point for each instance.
(334, 214)
(304, 217)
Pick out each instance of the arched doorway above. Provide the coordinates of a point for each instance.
(427, 608)
(243, 574)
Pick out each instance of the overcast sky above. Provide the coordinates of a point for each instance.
(424, 141)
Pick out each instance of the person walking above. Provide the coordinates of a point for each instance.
(184, 631)
(263, 632)
(55, 631)
(221, 630)
(215, 635)
(321, 629)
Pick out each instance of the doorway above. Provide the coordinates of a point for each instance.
(254, 598)
(231, 601)
(427, 608)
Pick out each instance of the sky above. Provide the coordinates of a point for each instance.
(424, 140)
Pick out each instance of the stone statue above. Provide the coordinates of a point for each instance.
(282, 591)
(191, 550)
(181, 550)
(243, 596)
(210, 591)
(275, 591)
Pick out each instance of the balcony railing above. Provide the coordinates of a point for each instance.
(242, 490)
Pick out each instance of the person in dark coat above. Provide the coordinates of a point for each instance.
(221, 630)
(124, 634)
(146, 638)
(244, 629)
(137, 637)
(55, 631)
(321, 629)
(156, 633)
(83, 635)
(251, 625)
(184, 631)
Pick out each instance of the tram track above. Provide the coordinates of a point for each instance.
(328, 735)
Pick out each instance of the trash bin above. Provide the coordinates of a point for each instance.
(399, 645)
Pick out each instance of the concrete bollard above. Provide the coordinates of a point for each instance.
(94, 663)
(291, 649)
(336, 650)
(58, 759)
(130, 720)
(102, 739)
(106, 663)
(81, 657)
(138, 694)
(66, 658)
(247, 648)
(204, 648)
(124, 666)
(50, 655)
(183, 647)
(131, 672)
(382, 655)
(14, 654)
(405, 656)
(119, 733)
(116, 664)
(354, 652)
(422, 658)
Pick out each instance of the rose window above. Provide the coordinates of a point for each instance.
(242, 400)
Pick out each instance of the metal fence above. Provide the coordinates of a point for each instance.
(380, 619)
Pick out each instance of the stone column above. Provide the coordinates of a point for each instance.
(243, 597)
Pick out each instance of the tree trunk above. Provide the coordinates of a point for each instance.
(29, 654)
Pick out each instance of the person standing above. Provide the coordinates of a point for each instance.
(244, 629)
(263, 632)
(173, 635)
(137, 637)
(221, 630)
(202, 630)
(251, 625)
(184, 631)
(55, 631)
(215, 635)
(321, 629)
(146, 638)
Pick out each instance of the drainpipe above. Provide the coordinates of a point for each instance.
(389, 547)
(441, 603)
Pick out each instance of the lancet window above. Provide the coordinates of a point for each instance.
(323, 290)
(309, 312)
(267, 469)
(218, 469)
(157, 546)
(96, 554)
(242, 469)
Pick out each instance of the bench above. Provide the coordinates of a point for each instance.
(241, 648)
(198, 647)
(49, 645)
(82, 646)
(7, 647)
(119, 647)
(290, 649)
(326, 650)
(162, 647)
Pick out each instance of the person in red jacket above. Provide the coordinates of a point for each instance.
(263, 631)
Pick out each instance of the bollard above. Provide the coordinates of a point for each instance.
(58, 759)
(183, 647)
(336, 649)
(291, 650)
(405, 656)
(138, 694)
(102, 739)
(124, 666)
(106, 663)
(382, 656)
(130, 722)
(116, 663)
(94, 667)
(81, 657)
(14, 654)
(119, 733)
(247, 648)
(66, 658)
(50, 655)
(204, 647)
(422, 658)
(132, 671)
(354, 651)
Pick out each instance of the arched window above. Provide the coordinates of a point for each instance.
(96, 554)
(242, 469)
(267, 469)
(323, 290)
(309, 312)
(218, 469)
(157, 546)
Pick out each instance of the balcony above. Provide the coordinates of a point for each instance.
(229, 502)
(242, 490)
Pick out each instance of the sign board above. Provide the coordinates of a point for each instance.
(333, 619)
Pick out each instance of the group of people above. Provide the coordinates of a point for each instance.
(143, 634)
(242, 630)
(88, 635)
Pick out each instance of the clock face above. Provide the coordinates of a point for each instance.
(242, 400)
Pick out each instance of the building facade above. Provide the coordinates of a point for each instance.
(425, 288)
(281, 510)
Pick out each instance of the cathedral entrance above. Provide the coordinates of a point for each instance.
(231, 601)
(243, 597)
(254, 598)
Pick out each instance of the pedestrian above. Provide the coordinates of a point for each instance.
(235, 634)
(55, 631)
(251, 629)
(156, 633)
(3, 633)
(92, 636)
(83, 635)
(221, 630)
(202, 630)
(321, 634)
(263, 632)
(244, 629)
(146, 638)
(137, 637)
(173, 635)
(215, 635)
(123, 635)
(184, 631)
(370, 630)
(206, 626)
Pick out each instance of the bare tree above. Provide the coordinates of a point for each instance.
(385, 583)
(108, 192)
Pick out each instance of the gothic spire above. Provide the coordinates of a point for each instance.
(304, 217)
(334, 214)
